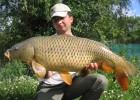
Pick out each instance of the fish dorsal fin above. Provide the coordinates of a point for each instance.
(122, 78)
(67, 77)
(39, 70)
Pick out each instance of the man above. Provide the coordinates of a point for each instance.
(52, 87)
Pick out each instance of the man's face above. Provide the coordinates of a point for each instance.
(62, 24)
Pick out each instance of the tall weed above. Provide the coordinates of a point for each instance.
(13, 69)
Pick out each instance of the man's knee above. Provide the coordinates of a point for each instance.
(98, 85)
(103, 81)
(100, 80)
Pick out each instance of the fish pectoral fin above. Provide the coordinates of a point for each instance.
(67, 77)
(105, 65)
(122, 78)
(39, 70)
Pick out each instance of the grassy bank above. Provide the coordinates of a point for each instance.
(114, 92)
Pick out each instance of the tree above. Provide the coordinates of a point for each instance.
(95, 17)
(133, 24)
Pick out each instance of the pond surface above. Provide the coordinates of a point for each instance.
(130, 51)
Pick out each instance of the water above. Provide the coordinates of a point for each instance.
(130, 51)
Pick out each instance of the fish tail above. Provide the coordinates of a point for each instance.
(122, 78)
(122, 69)
(130, 69)
(118, 68)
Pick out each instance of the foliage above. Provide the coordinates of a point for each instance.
(14, 69)
(20, 88)
(115, 92)
(3, 41)
(16, 83)
(95, 19)
(133, 23)
(27, 17)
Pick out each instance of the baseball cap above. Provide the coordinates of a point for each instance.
(59, 10)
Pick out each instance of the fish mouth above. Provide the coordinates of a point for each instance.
(7, 54)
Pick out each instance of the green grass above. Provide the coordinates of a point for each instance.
(115, 92)
(20, 88)
(15, 82)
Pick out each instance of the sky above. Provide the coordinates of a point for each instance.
(135, 9)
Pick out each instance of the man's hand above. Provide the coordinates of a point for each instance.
(48, 74)
(86, 70)
(92, 66)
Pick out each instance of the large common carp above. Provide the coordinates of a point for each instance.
(64, 53)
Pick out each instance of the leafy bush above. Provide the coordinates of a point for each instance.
(14, 69)
(15, 83)
(20, 88)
